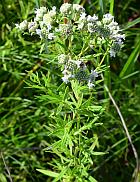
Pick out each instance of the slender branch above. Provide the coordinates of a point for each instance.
(83, 51)
(126, 130)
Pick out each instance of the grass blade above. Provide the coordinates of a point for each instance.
(131, 24)
(111, 11)
(102, 6)
(48, 172)
(131, 60)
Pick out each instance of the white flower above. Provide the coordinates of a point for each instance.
(38, 32)
(94, 73)
(78, 8)
(39, 13)
(82, 16)
(92, 18)
(57, 29)
(113, 28)
(80, 25)
(90, 85)
(78, 63)
(49, 27)
(98, 23)
(65, 71)
(47, 19)
(113, 24)
(65, 78)
(51, 36)
(52, 12)
(62, 58)
(107, 18)
(90, 27)
(65, 29)
(44, 32)
(41, 10)
(32, 26)
(120, 36)
(112, 53)
(65, 8)
(54, 8)
(120, 42)
(23, 25)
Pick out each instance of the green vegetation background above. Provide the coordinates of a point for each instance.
(23, 119)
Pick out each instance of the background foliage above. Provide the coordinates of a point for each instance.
(30, 94)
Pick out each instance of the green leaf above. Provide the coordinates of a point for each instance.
(131, 24)
(94, 108)
(130, 75)
(91, 179)
(76, 1)
(77, 92)
(86, 126)
(48, 172)
(102, 4)
(87, 57)
(2, 178)
(99, 153)
(42, 48)
(80, 101)
(61, 175)
(111, 11)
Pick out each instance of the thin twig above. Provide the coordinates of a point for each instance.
(6, 167)
(126, 130)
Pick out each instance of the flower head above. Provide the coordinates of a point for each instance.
(39, 13)
(52, 12)
(32, 26)
(107, 18)
(51, 36)
(92, 18)
(90, 84)
(78, 8)
(66, 8)
(22, 26)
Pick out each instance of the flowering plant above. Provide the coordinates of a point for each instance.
(81, 38)
(79, 43)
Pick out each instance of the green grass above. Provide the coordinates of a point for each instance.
(43, 122)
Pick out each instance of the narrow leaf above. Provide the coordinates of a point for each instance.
(131, 60)
(91, 179)
(102, 6)
(48, 172)
(131, 24)
(99, 153)
(111, 7)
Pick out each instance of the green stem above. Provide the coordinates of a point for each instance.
(102, 60)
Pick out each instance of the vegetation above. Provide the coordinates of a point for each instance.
(56, 131)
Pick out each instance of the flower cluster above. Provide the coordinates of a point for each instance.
(42, 24)
(76, 69)
(105, 30)
(69, 22)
